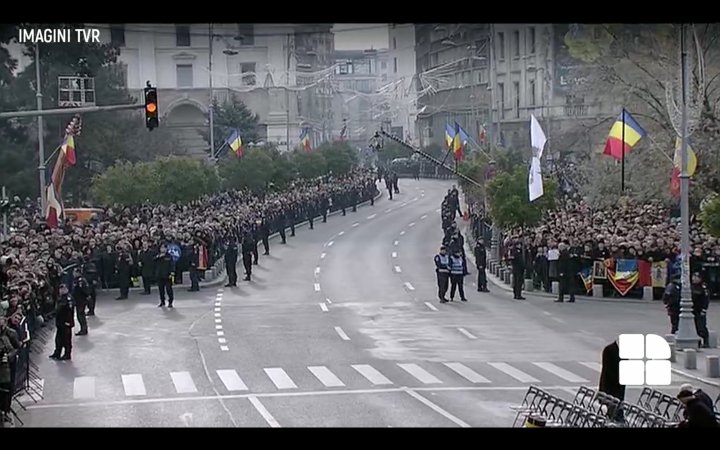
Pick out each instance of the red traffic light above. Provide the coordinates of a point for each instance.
(151, 107)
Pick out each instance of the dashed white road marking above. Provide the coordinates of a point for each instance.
(515, 373)
(437, 210)
(420, 374)
(402, 233)
(437, 409)
(398, 269)
(224, 348)
(547, 313)
(356, 224)
(593, 366)
(217, 314)
(324, 307)
(467, 333)
(317, 287)
(409, 286)
(327, 378)
(330, 244)
(403, 204)
(264, 412)
(467, 373)
(388, 210)
(341, 233)
(222, 340)
(217, 309)
(220, 333)
(342, 334)
(133, 384)
(328, 300)
(560, 372)
(280, 379)
(558, 320)
(317, 271)
(218, 327)
(372, 375)
(232, 380)
(414, 199)
(322, 255)
(431, 306)
(183, 382)
(411, 224)
(396, 243)
(423, 217)
(220, 291)
(372, 216)
(218, 320)
(394, 254)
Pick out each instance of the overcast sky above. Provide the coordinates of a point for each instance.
(360, 36)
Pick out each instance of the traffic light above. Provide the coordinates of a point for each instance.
(151, 108)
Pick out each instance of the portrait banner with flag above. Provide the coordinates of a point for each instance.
(659, 273)
(624, 276)
(625, 133)
(586, 275)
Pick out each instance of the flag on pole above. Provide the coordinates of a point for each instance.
(625, 132)
(677, 166)
(449, 135)
(483, 133)
(537, 141)
(305, 139)
(68, 149)
(235, 143)
(458, 143)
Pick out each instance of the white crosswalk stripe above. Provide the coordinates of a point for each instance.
(515, 373)
(371, 374)
(84, 388)
(280, 379)
(232, 380)
(421, 374)
(560, 372)
(326, 377)
(183, 382)
(133, 385)
(467, 373)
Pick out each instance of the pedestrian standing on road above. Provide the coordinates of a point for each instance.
(91, 274)
(64, 323)
(458, 270)
(517, 261)
(442, 270)
(388, 185)
(610, 375)
(564, 275)
(124, 267)
(231, 257)
(700, 301)
(480, 263)
(264, 232)
(395, 182)
(147, 263)
(164, 275)
(247, 249)
(193, 255)
(80, 294)
(671, 299)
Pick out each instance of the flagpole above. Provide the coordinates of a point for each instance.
(622, 163)
(686, 336)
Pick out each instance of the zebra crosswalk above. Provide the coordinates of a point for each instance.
(227, 381)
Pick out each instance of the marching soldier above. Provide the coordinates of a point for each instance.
(442, 270)
(64, 323)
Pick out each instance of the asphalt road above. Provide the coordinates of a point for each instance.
(340, 327)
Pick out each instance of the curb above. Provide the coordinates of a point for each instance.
(697, 378)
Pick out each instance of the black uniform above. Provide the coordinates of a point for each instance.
(281, 223)
(292, 217)
(264, 233)
(324, 206)
(80, 294)
(124, 265)
(442, 270)
(389, 186)
(565, 277)
(671, 299)
(517, 258)
(231, 257)
(147, 268)
(248, 245)
(92, 276)
(701, 301)
(480, 265)
(64, 323)
(193, 258)
(254, 235)
(163, 272)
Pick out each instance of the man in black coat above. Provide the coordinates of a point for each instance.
(163, 274)
(480, 263)
(193, 255)
(231, 257)
(389, 186)
(565, 275)
(700, 301)
(324, 206)
(517, 259)
(610, 373)
(90, 271)
(281, 223)
(80, 294)
(64, 323)
(264, 234)
(698, 414)
(124, 267)
(147, 269)
(247, 247)
(311, 210)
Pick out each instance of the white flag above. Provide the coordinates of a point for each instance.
(535, 183)
(537, 137)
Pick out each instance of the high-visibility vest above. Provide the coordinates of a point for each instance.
(442, 263)
(456, 265)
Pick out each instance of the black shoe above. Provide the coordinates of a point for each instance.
(228, 285)
(559, 301)
(90, 313)
(266, 253)
(520, 298)
(170, 305)
(246, 279)
(54, 356)
(255, 263)
(480, 290)
(572, 300)
(65, 358)
(81, 333)
(443, 300)
(121, 298)
(161, 305)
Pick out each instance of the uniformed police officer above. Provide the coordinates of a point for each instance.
(701, 301)
(264, 233)
(442, 270)
(671, 299)
(517, 260)
(458, 270)
(163, 274)
(231, 257)
(247, 246)
(64, 323)
(324, 206)
(480, 263)
(80, 294)
(281, 223)
(92, 276)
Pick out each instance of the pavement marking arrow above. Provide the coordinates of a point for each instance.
(324, 307)
(431, 306)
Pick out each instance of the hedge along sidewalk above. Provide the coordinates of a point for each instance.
(217, 272)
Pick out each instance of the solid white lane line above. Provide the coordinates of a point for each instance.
(183, 382)
(409, 286)
(322, 255)
(411, 224)
(593, 366)
(133, 384)
(341, 233)
(222, 340)
(224, 348)
(396, 243)
(420, 374)
(394, 254)
(437, 409)
(372, 216)
(467, 373)
(371, 374)
(467, 333)
(232, 380)
(327, 378)
(398, 269)
(280, 379)
(317, 287)
(324, 307)
(423, 217)
(264, 412)
(330, 244)
(84, 388)
(431, 306)
(560, 372)
(221, 333)
(515, 373)
(356, 224)
(342, 334)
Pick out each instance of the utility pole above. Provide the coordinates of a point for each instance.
(686, 337)
(287, 96)
(41, 129)
(212, 98)
(4, 198)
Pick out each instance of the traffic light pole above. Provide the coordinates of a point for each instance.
(65, 111)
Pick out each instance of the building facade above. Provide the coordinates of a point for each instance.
(401, 73)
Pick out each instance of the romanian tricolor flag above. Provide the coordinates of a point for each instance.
(305, 139)
(54, 208)
(459, 141)
(586, 276)
(677, 166)
(449, 135)
(235, 143)
(624, 134)
(624, 276)
(68, 149)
